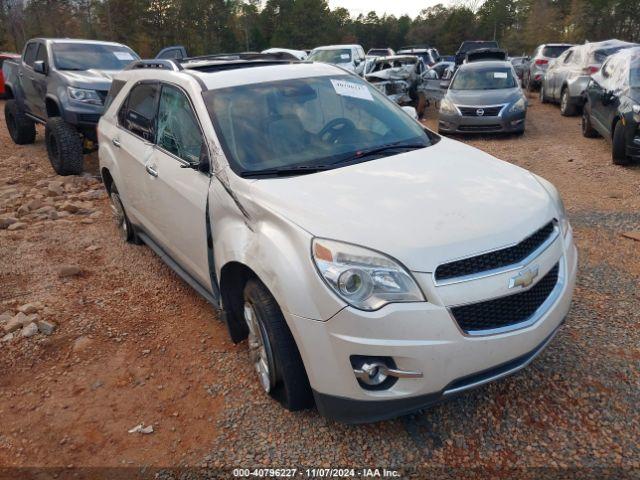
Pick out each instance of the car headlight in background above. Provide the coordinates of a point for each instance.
(519, 106)
(363, 278)
(447, 106)
(84, 95)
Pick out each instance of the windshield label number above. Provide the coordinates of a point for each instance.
(350, 89)
(499, 74)
(123, 55)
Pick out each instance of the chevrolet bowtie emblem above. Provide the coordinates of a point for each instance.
(524, 278)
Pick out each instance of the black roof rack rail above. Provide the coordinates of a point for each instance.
(155, 63)
(248, 56)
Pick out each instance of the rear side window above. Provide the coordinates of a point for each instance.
(30, 53)
(138, 113)
(116, 86)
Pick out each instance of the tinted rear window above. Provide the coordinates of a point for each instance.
(601, 55)
(555, 51)
(467, 46)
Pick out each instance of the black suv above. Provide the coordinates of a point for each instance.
(612, 106)
(470, 45)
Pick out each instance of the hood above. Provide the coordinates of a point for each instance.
(91, 79)
(423, 207)
(396, 73)
(484, 97)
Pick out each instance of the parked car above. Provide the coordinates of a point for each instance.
(613, 105)
(293, 197)
(429, 55)
(567, 77)
(484, 54)
(439, 70)
(520, 64)
(470, 45)
(539, 63)
(380, 52)
(62, 84)
(299, 54)
(349, 57)
(483, 97)
(399, 78)
(5, 56)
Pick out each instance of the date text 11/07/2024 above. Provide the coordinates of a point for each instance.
(316, 472)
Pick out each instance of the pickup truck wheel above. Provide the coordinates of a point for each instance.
(619, 146)
(273, 350)
(21, 128)
(64, 147)
(126, 230)
(567, 108)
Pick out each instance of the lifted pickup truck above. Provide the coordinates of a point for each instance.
(62, 84)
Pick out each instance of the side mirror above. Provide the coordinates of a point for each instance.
(411, 112)
(40, 67)
(608, 97)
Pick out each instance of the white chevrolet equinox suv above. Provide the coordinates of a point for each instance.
(375, 267)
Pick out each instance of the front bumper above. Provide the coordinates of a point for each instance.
(423, 337)
(505, 122)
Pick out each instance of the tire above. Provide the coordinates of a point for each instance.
(529, 85)
(543, 97)
(567, 108)
(126, 229)
(271, 343)
(619, 146)
(587, 129)
(64, 147)
(21, 128)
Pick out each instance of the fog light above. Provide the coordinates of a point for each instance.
(378, 373)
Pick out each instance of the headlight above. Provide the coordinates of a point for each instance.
(563, 220)
(363, 278)
(447, 106)
(519, 106)
(84, 96)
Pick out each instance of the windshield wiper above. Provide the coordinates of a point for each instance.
(381, 149)
(285, 171)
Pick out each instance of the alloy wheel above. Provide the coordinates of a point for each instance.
(118, 215)
(259, 348)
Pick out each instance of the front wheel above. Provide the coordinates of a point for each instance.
(273, 351)
(619, 146)
(21, 128)
(64, 147)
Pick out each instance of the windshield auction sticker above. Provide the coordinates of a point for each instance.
(123, 55)
(350, 89)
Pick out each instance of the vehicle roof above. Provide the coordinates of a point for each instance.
(78, 40)
(557, 45)
(485, 64)
(9, 54)
(267, 73)
(335, 47)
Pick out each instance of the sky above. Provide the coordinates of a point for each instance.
(390, 7)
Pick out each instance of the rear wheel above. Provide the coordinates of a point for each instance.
(543, 97)
(619, 146)
(587, 129)
(567, 108)
(64, 147)
(21, 128)
(125, 229)
(273, 350)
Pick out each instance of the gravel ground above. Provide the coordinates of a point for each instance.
(134, 344)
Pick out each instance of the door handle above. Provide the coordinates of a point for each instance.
(116, 142)
(151, 170)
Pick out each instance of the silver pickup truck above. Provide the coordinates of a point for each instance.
(62, 84)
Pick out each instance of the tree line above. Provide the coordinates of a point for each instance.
(213, 26)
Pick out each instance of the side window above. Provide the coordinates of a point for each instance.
(116, 86)
(42, 54)
(137, 114)
(178, 129)
(30, 53)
